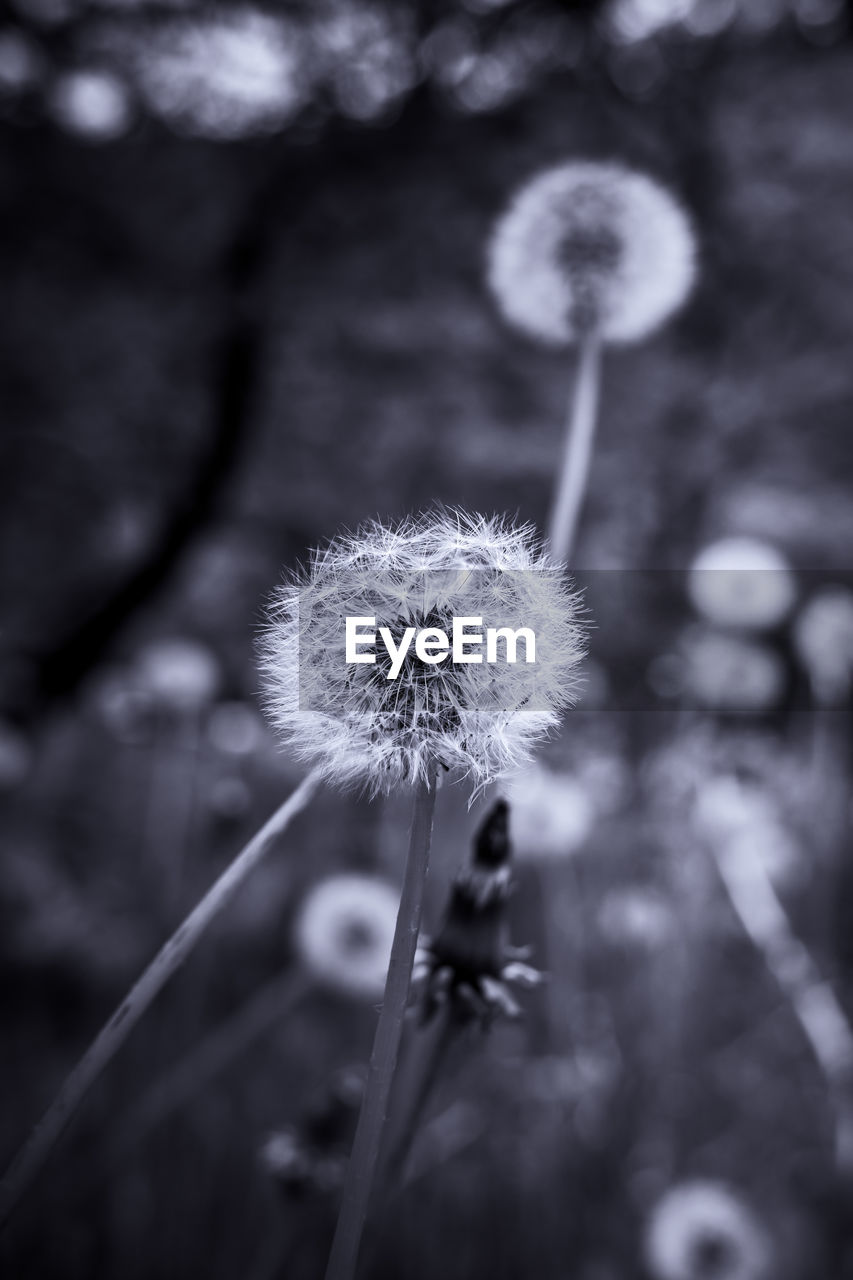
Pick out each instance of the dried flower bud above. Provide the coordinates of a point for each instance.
(470, 965)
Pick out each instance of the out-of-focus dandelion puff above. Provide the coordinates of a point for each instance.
(94, 105)
(635, 918)
(823, 638)
(235, 728)
(179, 675)
(223, 75)
(591, 247)
(551, 814)
(16, 756)
(344, 933)
(703, 1230)
(742, 583)
(479, 720)
(470, 966)
(729, 675)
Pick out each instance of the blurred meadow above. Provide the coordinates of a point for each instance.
(243, 262)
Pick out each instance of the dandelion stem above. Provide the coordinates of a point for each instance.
(580, 433)
(442, 1037)
(31, 1158)
(814, 1003)
(368, 1136)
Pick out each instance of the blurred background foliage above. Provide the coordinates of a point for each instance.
(242, 257)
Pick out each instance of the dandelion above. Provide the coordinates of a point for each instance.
(92, 104)
(703, 1230)
(178, 674)
(589, 253)
(385, 721)
(729, 675)
(476, 719)
(742, 583)
(344, 933)
(823, 638)
(551, 815)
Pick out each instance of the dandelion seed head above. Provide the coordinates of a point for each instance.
(742, 583)
(344, 933)
(703, 1230)
(477, 720)
(591, 246)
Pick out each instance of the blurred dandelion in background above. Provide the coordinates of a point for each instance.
(551, 815)
(92, 104)
(591, 246)
(589, 253)
(729, 675)
(179, 675)
(705, 1230)
(344, 931)
(742, 583)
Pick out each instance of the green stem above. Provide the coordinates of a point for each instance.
(580, 433)
(31, 1158)
(363, 1161)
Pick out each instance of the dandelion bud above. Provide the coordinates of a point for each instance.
(393, 711)
(470, 965)
(344, 934)
(591, 247)
(742, 583)
(703, 1228)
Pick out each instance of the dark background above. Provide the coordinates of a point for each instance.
(218, 350)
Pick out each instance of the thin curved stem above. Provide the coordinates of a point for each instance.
(31, 1158)
(580, 433)
(364, 1159)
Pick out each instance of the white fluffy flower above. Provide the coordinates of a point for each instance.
(480, 720)
(591, 246)
(344, 933)
(729, 675)
(93, 104)
(179, 674)
(742, 583)
(823, 636)
(702, 1230)
(551, 815)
